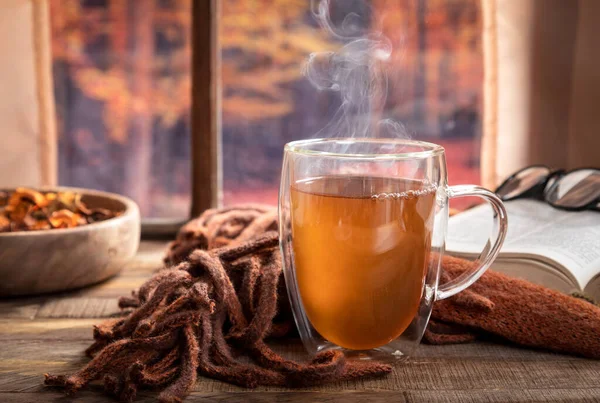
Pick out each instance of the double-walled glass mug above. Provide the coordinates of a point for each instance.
(362, 227)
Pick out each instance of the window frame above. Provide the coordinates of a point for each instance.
(205, 135)
(205, 110)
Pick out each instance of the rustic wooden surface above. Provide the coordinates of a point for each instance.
(49, 334)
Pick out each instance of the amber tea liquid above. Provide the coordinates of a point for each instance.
(361, 249)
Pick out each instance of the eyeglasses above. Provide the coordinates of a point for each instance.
(574, 190)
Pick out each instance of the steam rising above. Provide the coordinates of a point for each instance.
(357, 72)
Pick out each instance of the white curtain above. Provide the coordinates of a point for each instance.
(27, 116)
(542, 85)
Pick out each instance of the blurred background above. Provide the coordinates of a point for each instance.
(122, 87)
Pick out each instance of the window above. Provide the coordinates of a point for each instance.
(435, 83)
(123, 84)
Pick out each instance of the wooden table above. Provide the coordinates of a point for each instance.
(49, 334)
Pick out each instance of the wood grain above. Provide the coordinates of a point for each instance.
(205, 106)
(50, 333)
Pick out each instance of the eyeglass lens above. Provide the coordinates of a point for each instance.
(522, 182)
(576, 189)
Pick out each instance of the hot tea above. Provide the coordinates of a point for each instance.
(361, 249)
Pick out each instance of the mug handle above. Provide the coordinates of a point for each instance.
(488, 254)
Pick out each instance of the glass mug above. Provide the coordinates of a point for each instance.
(362, 225)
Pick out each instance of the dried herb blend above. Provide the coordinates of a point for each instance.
(29, 210)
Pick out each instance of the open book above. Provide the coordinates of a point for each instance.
(554, 248)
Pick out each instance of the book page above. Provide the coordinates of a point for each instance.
(569, 238)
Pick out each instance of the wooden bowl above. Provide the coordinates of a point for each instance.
(34, 262)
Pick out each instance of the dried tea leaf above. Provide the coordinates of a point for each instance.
(64, 219)
(55, 205)
(33, 196)
(102, 213)
(67, 199)
(40, 225)
(81, 206)
(38, 214)
(3, 198)
(20, 211)
(4, 223)
(29, 221)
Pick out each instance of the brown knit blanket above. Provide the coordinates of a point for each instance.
(222, 294)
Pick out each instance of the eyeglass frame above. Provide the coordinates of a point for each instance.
(546, 185)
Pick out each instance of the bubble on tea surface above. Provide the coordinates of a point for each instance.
(408, 194)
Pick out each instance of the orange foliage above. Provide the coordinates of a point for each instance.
(73, 27)
(273, 34)
(265, 43)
